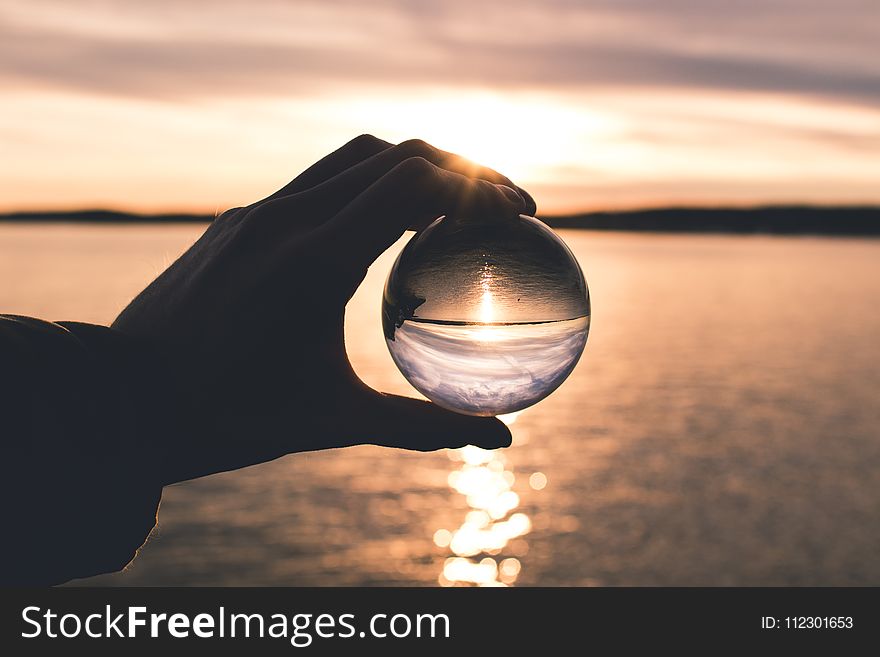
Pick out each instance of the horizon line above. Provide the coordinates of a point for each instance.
(74, 211)
(804, 219)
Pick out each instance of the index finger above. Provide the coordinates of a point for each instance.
(412, 195)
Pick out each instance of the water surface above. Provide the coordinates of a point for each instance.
(721, 428)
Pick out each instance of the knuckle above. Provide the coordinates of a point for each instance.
(229, 215)
(417, 147)
(365, 142)
(415, 169)
(260, 210)
(263, 212)
(488, 189)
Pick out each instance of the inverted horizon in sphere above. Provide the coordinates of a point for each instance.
(486, 315)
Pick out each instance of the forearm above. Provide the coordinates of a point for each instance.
(81, 479)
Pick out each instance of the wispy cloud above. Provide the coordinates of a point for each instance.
(788, 90)
(188, 48)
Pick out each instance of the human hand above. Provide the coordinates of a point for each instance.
(249, 321)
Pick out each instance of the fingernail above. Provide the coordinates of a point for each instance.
(512, 195)
(530, 202)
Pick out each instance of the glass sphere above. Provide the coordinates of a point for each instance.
(486, 317)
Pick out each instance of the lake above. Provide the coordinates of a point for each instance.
(722, 428)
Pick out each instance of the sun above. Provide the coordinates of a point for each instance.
(487, 137)
(525, 136)
(517, 138)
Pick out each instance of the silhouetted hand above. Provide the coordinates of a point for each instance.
(248, 323)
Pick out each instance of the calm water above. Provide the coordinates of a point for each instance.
(721, 428)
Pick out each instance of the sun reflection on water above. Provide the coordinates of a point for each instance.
(486, 311)
(492, 530)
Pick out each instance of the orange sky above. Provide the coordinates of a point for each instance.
(191, 105)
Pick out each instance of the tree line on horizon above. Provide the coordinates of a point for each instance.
(777, 219)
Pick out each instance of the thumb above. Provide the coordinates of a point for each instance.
(395, 421)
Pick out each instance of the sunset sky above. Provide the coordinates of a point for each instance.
(198, 105)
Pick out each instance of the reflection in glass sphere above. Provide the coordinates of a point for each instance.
(486, 317)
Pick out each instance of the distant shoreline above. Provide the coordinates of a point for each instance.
(774, 219)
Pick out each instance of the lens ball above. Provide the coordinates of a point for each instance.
(486, 317)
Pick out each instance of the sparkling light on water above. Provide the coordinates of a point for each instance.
(493, 527)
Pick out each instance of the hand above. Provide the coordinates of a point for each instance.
(249, 320)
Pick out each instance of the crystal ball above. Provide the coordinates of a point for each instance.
(486, 317)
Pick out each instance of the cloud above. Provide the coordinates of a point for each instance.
(201, 104)
(189, 49)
